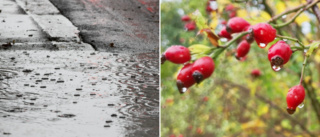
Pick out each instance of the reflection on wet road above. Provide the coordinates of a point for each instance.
(67, 93)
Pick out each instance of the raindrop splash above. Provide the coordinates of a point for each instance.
(276, 68)
(262, 45)
(301, 105)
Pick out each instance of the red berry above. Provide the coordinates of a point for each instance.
(176, 54)
(190, 26)
(223, 33)
(232, 14)
(295, 96)
(184, 78)
(249, 36)
(185, 18)
(180, 135)
(237, 24)
(172, 135)
(263, 34)
(202, 68)
(199, 131)
(229, 7)
(256, 73)
(242, 49)
(223, 22)
(209, 9)
(205, 99)
(211, 6)
(279, 54)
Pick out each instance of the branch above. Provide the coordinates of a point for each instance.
(295, 16)
(228, 44)
(303, 68)
(315, 10)
(287, 12)
(262, 98)
(292, 39)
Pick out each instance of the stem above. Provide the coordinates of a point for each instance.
(315, 10)
(267, 7)
(295, 16)
(292, 39)
(228, 44)
(303, 68)
(287, 12)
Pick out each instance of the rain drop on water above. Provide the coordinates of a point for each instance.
(301, 105)
(262, 45)
(276, 68)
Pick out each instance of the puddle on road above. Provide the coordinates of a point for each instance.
(67, 93)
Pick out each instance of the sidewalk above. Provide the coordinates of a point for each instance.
(37, 24)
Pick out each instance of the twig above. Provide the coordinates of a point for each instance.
(315, 10)
(262, 98)
(292, 39)
(303, 68)
(267, 7)
(287, 12)
(295, 16)
(228, 44)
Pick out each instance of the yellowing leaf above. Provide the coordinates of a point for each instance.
(213, 38)
(317, 56)
(198, 48)
(265, 15)
(286, 124)
(201, 21)
(313, 46)
(263, 109)
(253, 124)
(242, 13)
(280, 6)
(307, 79)
(214, 23)
(302, 18)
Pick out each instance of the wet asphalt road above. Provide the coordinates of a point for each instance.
(76, 94)
(124, 26)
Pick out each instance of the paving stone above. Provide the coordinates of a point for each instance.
(58, 27)
(38, 7)
(20, 28)
(10, 7)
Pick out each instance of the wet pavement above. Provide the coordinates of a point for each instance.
(68, 93)
(56, 81)
(122, 26)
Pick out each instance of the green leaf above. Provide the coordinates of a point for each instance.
(313, 46)
(198, 48)
(201, 22)
(286, 124)
(198, 51)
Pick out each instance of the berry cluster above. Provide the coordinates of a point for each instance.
(190, 73)
(190, 25)
(262, 33)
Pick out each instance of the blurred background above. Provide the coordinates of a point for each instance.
(235, 101)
